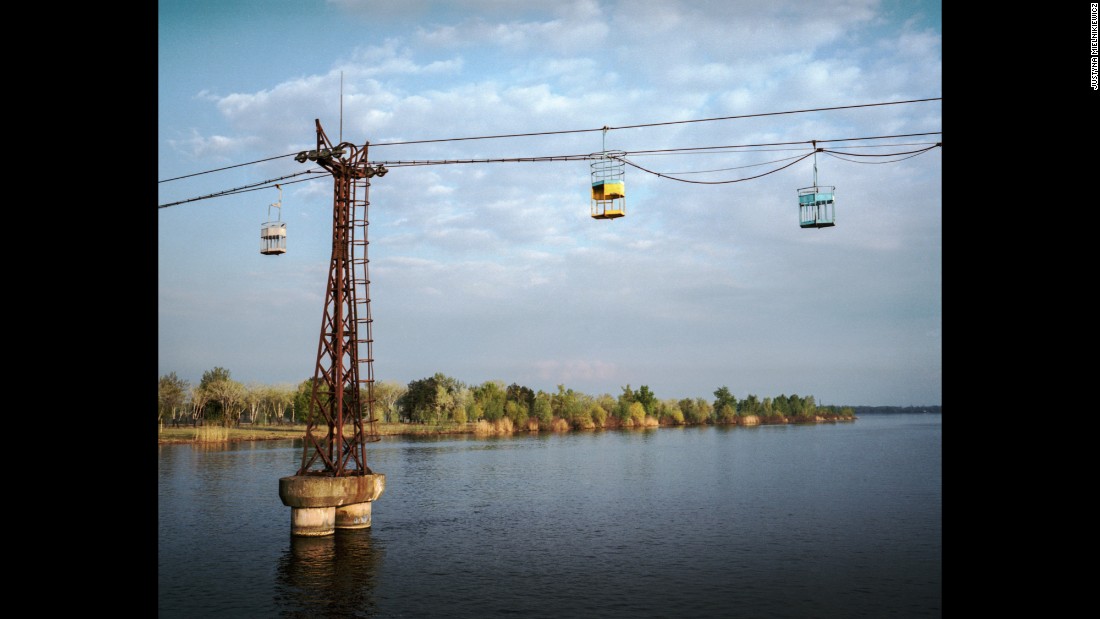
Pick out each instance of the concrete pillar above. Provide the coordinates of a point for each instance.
(322, 504)
(312, 521)
(354, 516)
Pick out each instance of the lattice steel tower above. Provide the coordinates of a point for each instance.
(342, 376)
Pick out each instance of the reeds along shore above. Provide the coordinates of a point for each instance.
(216, 433)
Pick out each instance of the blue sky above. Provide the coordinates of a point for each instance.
(496, 271)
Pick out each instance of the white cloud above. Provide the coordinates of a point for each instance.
(576, 370)
(502, 262)
(217, 147)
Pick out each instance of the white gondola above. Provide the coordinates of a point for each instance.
(273, 233)
(816, 204)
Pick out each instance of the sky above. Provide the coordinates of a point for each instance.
(496, 270)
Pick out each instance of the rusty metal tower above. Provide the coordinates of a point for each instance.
(342, 375)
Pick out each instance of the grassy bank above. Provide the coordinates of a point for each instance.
(219, 434)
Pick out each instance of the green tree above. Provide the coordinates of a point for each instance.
(199, 398)
(704, 410)
(253, 401)
(626, 398)
(517, 412)
(303, 393)
(726, 414)
(171, 394)
(782, 405)
(646, 398)
(697, 411)
(474, 411)
(671, 413)
(229, 396)
(277, 400)
(543, 409)
(809, 407)
(722, 396)
(430, 400)
(213, 381)
(598, 414)
(794, 403)
(749, 406)
(416, 405)
(566, 404)
(767, 409)
(386, 394)
(609, 405)
(460, 414)
(521, 395)
(451, 395)
(491, 395)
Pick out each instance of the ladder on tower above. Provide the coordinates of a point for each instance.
(362, 320)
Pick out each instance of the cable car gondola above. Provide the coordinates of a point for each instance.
(273, 233)
(817, 204)
(608, 185)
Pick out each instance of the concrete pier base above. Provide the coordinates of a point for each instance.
(355, 516)
(322, 504)
(312, 521)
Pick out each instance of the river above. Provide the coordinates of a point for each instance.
(826, 520)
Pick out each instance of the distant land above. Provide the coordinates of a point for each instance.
(882, 410)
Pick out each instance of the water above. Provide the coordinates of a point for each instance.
(829, 520)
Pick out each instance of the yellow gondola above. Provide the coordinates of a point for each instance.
(608, 186)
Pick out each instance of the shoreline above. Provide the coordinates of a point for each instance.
(220, 434)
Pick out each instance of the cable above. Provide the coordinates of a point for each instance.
(751, 165)
(683, 180)
(673, 122)
(243, 188)
(915, 153)
(405, 163)
(225, 168)
(875, 162)
(590, 156)
(269, 186)
(749, 178)
(776, 150)
(873, 137)
(888, 154)
(885, 145)
(605, 128)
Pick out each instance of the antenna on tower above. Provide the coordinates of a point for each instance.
(341, 106)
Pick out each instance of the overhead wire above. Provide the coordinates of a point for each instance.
(658, 124)
(777, 150)
(669, 176)
(604, 128)
(738, 180)
(675, 151)
(228, 167)
(591, 156)
(246, 188)
(910, 156)
(751, 165)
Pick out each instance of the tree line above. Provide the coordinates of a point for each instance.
(443, 399)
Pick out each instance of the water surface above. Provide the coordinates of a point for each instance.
(828, 520)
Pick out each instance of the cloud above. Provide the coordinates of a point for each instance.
(214, 147)
(576, 370)
(496, 270)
